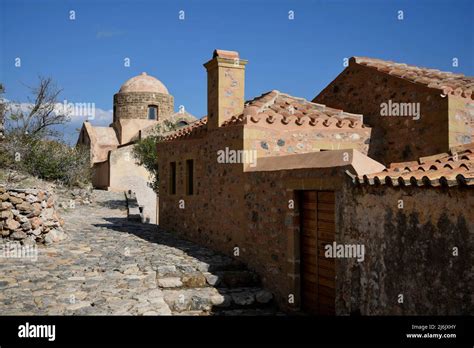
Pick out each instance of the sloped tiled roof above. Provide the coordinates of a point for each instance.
(275, 107)
(448, 82)
(195, 128)
(445, 169)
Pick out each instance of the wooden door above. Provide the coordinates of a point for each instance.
(317, 271)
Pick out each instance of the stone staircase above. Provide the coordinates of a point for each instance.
(225, 289)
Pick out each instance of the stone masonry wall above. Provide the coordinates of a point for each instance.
(215, 187)
(360, 89)
(232, 208)
(29, 216)
(277, 142)
(409, 251)
(461, 120)
(135, 105)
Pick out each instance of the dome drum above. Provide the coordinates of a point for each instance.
(138, 95)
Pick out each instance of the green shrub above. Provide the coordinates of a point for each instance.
(145, 152)
(46, 159)
(53, 160)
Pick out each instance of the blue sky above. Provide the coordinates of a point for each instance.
(301, 56)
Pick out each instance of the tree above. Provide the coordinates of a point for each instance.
(28, 146)
(3, 111)
(145, 152)
(40, 113)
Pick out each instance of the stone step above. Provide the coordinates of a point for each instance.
(246, 297)
(236, 279)
(221, 279)
(226, 265)
(217, 300)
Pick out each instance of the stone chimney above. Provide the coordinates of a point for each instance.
(225, 87)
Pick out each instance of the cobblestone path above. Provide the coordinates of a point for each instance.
(111, 266)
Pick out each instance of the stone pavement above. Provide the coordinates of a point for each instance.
(111, 266)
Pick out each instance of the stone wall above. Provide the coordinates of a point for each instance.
(100, 175)
(135, 105)
(409, 251)
(215, 187)
(279, 142)
(29, 216)
(461, 120)
(360, 89)
(232, 208)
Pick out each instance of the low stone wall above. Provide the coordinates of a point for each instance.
(29, 216)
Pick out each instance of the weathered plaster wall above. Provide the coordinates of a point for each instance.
(225, 89)
(100, 175)
(128, 129)
(360, 89)
(461, 120)
(409, 251)
(126, 175)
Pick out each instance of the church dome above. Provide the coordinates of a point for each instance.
(144, 83)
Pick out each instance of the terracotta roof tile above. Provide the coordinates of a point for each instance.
(448, 82)
(279, 108)
(195, 128)
(446, 169)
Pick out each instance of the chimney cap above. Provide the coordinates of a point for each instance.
(225, 54)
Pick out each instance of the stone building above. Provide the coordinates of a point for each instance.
(443, 101)
(142, 103)
(279, 181)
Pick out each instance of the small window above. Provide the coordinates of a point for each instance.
(189, 177)
(152, 112)
(173, 178)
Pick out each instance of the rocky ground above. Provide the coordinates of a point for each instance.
(111, 266)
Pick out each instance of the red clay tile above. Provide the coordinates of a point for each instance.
(449, 83)
(442, 169)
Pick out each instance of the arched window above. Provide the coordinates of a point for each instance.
(152, 112)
